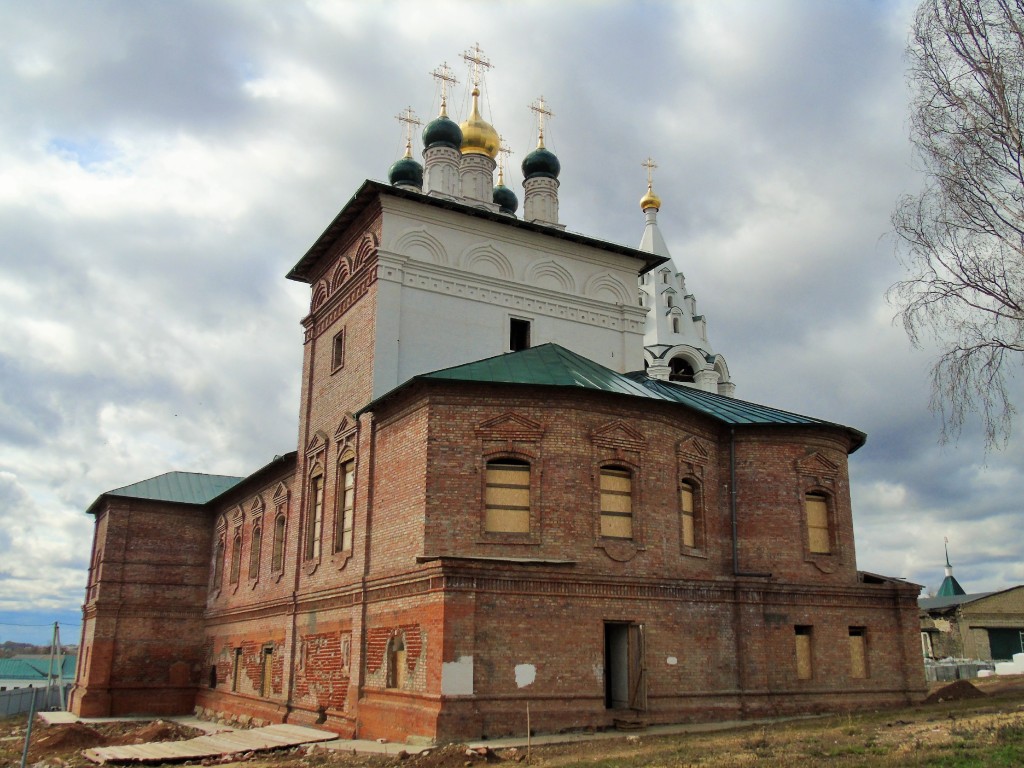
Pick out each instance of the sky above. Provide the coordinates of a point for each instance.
(163, 165)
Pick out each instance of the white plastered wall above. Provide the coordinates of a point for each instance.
(447, 285)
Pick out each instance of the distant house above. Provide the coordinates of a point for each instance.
(987, 625)
(31, 671)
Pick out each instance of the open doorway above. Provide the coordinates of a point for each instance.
(625, 678)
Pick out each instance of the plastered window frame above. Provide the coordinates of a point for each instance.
(219, 553)
(397, 673)
(344, 511)
(280, 539)
(255, 551)
(235, 574)
(312, 541)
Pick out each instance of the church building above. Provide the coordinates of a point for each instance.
(522, 481)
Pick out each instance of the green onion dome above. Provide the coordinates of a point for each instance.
(442, 131)
(541, 162)
(505, 198)
(406, 171)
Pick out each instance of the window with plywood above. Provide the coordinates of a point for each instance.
(819, 537)
(858, 652)
(616, 503)
(804, 660)
(507, 496)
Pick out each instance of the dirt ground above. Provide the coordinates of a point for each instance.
(962, 725)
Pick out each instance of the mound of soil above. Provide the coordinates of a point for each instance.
(958, 691)
(61, 739)
(157, 730)
(451, 756)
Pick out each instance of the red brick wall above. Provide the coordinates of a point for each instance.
(143, 626)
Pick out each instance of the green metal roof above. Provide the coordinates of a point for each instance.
(950, 587)
(177, 487)
(551, 365)
(34, 669)
(547, 365)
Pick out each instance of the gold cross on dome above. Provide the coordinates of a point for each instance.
(650, 165)
(408, 119)
(542, 110)
(504, 151)
(477, 62)
(444, 77)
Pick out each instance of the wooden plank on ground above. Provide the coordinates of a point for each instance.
(214, 745)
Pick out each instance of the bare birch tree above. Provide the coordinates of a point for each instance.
(962, 237)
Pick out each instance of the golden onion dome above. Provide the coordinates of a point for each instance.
(650, 200)
(479, 136)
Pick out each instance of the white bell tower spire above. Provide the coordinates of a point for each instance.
(676, 346)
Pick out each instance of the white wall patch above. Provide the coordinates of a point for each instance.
(525, 674)
(671, 661)
(457, 677)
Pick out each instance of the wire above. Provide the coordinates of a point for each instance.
(62, 623)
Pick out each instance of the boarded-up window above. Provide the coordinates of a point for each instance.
(277, 557)
(346, 497)
(858, 653)
(804, 668)
(616, 503)
(316, 518)
(254, 552)
(686, 498)
(236, 669)
(818, 536)
(267, 675)
(236, 557)
(507, 497)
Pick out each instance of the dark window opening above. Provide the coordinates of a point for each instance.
(680, 370)
(518, 334)
(338, 351)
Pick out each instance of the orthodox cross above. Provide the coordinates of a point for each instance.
(542, 110)
(650, 165)
(477, 63)
(504, 150)
(444, 77)
(408, 119)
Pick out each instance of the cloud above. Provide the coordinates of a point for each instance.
(165, 165)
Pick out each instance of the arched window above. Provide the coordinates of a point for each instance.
(218, 563)
(680, 370)
(668, 300)
(819, 537)
(277, 557)
(315, 522)
(675, 325)
(687, 499)
(396, 662)
(507, 496)
(616, 503)
(236, 556)
(254, 552)
(346, 505)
